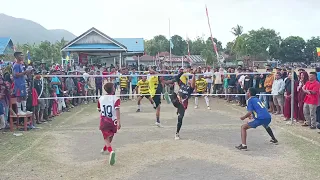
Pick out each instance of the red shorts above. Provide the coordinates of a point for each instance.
(107, 127)
(107, 134)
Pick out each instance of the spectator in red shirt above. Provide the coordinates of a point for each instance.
(311, 101)
(80, 90)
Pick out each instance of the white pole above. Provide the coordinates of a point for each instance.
(182, 62)
(292, 95)
(138, 63)
(120, 61)
(170, 44)
(114, 62)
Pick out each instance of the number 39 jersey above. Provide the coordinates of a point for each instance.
(107, 105)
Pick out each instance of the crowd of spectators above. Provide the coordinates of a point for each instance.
(59, 94)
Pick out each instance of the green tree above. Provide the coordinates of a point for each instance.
(151, 47)
(229, 48)
(209, 44)
(237, 30)
(197, 46)
(311, 49)
(209, 56)
(179, 45)
(258, 42)
(240, 47)
(157, 44)
(45, 51)
(292, 49)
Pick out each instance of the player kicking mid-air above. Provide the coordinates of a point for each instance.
(180, 100)
(143, 85)
(109, 108)
(201, 87)
(261, 116)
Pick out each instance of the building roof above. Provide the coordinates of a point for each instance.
(164, 54)
(144, 58)
(4, 43)
(132, 44)
(196, 59)
(94, 46)
(95, 40)
(176, 59)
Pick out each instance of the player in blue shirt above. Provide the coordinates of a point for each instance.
(261, 116)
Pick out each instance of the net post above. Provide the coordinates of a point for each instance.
(292, 95)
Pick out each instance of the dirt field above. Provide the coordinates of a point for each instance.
(69, 147)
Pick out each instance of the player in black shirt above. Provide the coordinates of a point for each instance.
(180, 100)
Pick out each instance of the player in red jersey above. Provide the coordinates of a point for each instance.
(109, 108)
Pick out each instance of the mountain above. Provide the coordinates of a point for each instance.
(26, 31)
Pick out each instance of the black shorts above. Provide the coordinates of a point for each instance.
(133, 87)
(199, 94)
(147, 96)
(157, 100)
(124, 90)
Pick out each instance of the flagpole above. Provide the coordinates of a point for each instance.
(213, 43)
(170, 43)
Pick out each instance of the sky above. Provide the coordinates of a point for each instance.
(147, 18)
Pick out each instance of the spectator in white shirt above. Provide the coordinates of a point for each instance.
(208, 76)
(218, 78)
(241, 78)
(278, 91)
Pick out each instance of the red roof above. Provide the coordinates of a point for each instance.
(164, 54)
(177, 59)
(144, 58)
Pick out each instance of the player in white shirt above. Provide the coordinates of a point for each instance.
(109, 108)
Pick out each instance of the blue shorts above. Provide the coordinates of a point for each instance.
(259, 122)
(20, 91)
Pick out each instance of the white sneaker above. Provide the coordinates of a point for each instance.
(177, 137)
(196, 107)
(104, 151)
(21, 113)
(158, 124)
(28, 112)
(209, 108)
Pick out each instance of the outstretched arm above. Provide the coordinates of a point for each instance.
(246, 116)
(193, 81)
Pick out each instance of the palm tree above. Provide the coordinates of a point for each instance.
(237, 30)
